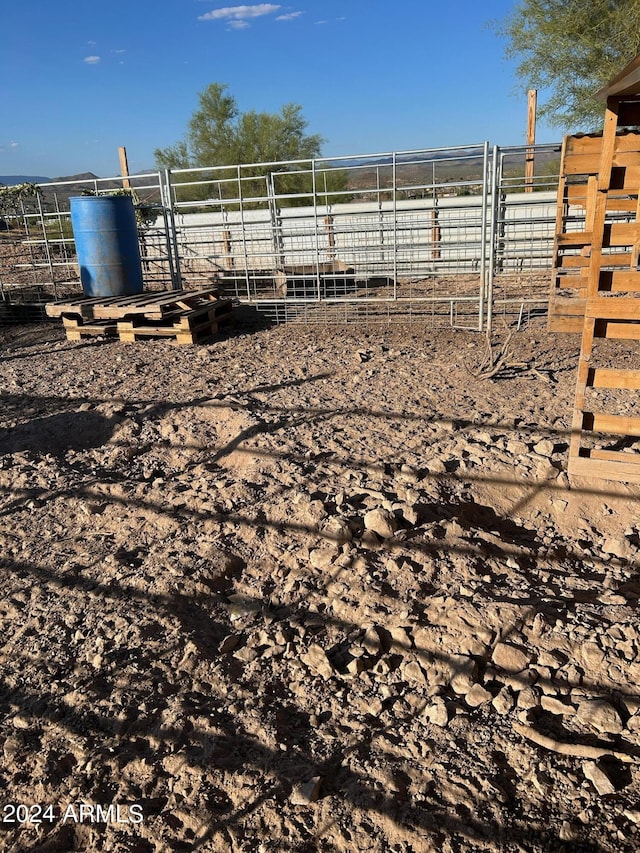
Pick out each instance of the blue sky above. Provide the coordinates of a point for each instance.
(82, 77)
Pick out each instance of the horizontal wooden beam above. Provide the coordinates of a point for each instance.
(610, 377)
(565, 306)
(611, 424)
(617, 330)
(619, 281)
(621, 234)
(627, 472)
(613, 308)
(574, 239)
(565, 325)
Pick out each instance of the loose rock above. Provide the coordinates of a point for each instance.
(381, 521)
(597, 776)
(510, 658)
(306, 792)
(317, 661)
(600, 715)
(477, 696)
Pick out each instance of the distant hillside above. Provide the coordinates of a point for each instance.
(57, 195)
(11, 180)
(82, 176)
(441, 169)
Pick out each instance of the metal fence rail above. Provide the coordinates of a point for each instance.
(446, 235)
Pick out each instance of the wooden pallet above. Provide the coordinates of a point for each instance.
(578, 190)
(187, 316)
(603, 434)
(155, 306)
(184, 327)
(76, 329)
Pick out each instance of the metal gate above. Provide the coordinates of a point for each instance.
(448, 236)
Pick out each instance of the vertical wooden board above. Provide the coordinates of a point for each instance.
(586, 345)
(608, 145)
(592, 194)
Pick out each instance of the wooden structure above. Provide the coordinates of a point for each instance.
(184, 316)
(577, 193)
(606, 418)
(529, 162)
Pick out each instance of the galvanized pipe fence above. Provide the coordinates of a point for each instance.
(448, 236)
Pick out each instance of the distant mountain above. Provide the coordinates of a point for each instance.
(82, 176)
(11, 180)
(57, 193)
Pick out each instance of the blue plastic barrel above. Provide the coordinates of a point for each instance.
(106, 236)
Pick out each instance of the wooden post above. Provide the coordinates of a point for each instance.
(124, 168)
(328, 221)
(532, 104)
(435, 235)
(227, 249)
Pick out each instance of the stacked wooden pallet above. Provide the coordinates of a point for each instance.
(577, 195)
(182, 316)
(606, 418)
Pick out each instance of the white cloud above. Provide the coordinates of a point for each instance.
(240, 13)
(289, 16)
(14, 144)
(91, 60)
(238, 25)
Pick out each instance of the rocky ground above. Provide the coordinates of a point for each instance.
(310, 589)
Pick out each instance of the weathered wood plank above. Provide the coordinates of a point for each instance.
(564, 306)
(621, 234)
(619, 281)
(613, 308)
(611, 424)
(628, 472)
(617, 330)
(566, 325)
(574, 239)
(611, 377)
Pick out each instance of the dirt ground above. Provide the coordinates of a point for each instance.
(310, 589)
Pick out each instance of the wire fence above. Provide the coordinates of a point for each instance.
(450, 236)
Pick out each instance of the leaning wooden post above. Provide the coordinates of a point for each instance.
(531, 140)
(124, 168)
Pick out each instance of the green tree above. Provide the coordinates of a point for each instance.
(571, 48)
(218, 134)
